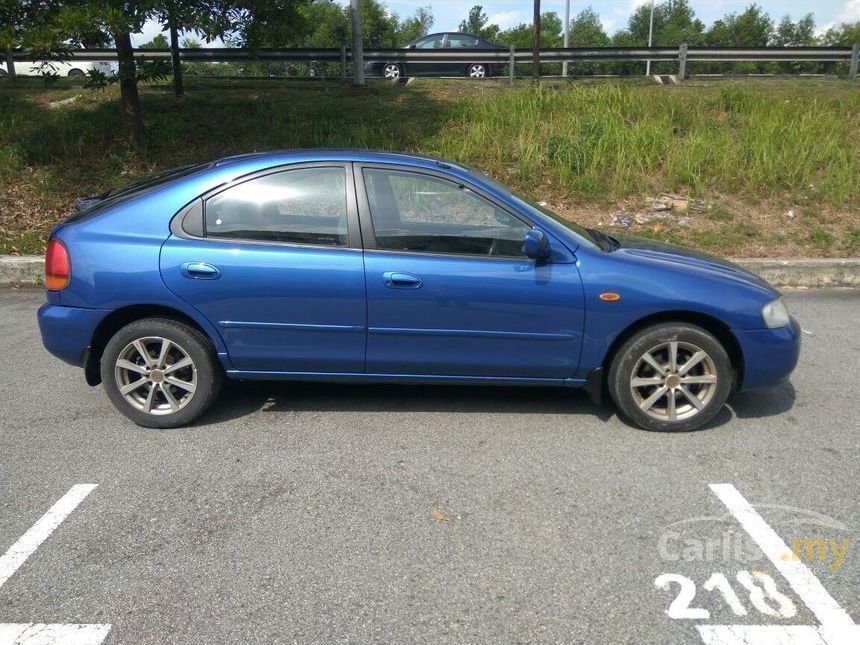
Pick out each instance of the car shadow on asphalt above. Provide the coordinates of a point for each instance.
(240, 399)
(768, 402)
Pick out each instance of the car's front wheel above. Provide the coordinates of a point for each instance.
(670, 377)
(76, 72)
(160, 373)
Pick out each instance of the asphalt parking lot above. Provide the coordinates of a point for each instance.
(320, 513)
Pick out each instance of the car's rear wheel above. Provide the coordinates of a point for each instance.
(477, 70)
(392, 71)
(160, 373)
(670, 377)
(76, 72)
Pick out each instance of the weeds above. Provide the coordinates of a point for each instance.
(781, 143)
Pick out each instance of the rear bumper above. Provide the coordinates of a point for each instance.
(67, 331)
(770, 355)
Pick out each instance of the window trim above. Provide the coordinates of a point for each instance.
(197, 209)
(369, 237)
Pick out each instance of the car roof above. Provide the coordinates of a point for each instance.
(448, 33)
(337, 154)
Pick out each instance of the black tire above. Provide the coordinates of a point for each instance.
(687, 341)
(75, 72)
(205, 371)
(3, 72)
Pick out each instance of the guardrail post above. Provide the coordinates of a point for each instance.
(855, 59)
(343, 61)
(682, 62)
(511, 65)
(10, 64)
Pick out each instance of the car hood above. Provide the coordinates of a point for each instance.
(662, 251)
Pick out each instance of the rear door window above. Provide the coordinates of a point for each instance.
(301, 206)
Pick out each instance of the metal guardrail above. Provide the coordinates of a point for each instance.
(682, 55)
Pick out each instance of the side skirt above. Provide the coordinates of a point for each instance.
(358, 377)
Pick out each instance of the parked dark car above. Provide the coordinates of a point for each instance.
(447, 41)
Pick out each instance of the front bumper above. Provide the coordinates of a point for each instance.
(68, 331)
(770, 355)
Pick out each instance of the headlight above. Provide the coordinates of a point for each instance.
(775, 314)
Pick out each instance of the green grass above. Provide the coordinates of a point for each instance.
(619, 140)
(589, 145)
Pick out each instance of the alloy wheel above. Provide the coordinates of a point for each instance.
(391, 71)
(477, 71)
(673, 381)
(155, 375)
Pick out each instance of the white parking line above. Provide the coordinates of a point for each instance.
(836, 627)
(52, 634)
(11, 561)
(39, 532)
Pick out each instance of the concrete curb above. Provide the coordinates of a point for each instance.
(27, 271)
(22, 271)
(811, 273)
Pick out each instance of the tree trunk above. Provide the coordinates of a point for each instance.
(128, 89)
(536, 46)
(10, 64)
(357, 49)
(174, 58)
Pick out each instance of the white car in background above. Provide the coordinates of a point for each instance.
(60, 67)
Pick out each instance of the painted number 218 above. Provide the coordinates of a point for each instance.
(763, 595)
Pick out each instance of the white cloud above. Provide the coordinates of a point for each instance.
(508, 19)
(151, 29)
(850, 12)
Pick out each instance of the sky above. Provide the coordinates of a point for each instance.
(613, 13)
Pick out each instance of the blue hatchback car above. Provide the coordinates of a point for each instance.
(344, 265)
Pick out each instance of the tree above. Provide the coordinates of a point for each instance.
(522, 35)
(80, 21)
(476, 23)
(845, 35)
(675, 22)
(159, 41)
(416, 26)
(32, 24)
(751, 28)
(586, 30)
(795, 34)
(267, 23)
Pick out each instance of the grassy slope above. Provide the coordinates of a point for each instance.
(778, 161)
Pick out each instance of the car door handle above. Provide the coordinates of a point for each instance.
(395, 280)
(200, 271)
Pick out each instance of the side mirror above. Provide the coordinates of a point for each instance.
(536, 244)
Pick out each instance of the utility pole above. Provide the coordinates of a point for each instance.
(650, 39)
(536, 45)
(357, 49)
(566, 33)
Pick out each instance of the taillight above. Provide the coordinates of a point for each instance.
(57, 266)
